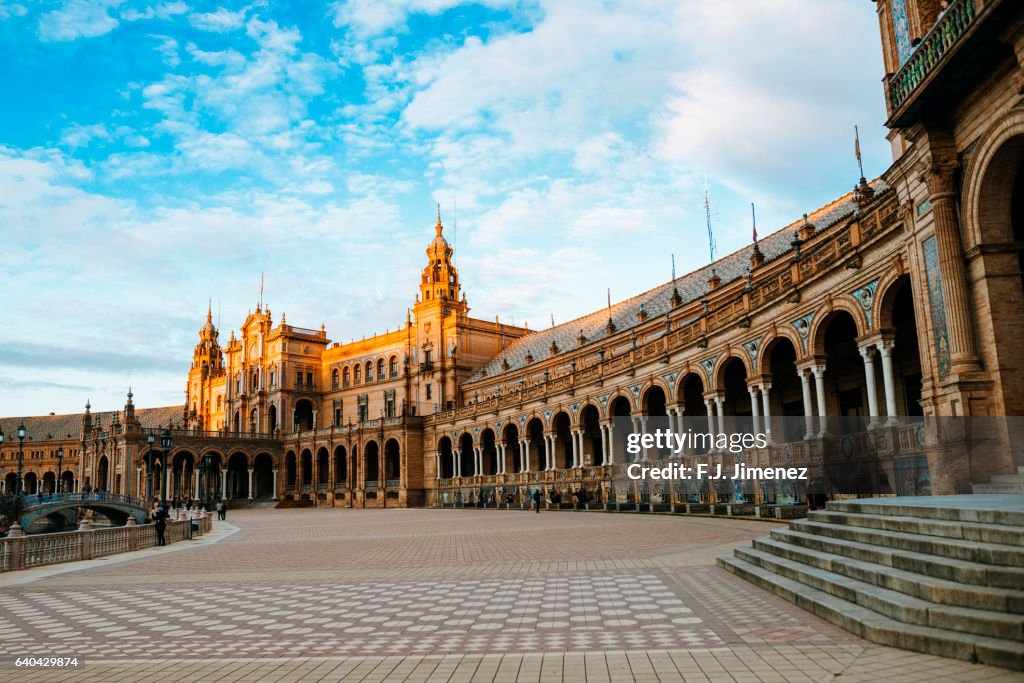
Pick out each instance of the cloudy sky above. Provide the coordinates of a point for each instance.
(157, 155)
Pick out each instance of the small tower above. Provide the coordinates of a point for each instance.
(207, 365)
(440, 279)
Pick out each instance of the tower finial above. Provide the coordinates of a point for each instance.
(439, 227)
(209, 311)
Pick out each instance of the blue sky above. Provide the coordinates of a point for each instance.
(157, 155)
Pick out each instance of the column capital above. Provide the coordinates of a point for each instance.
(867, 352)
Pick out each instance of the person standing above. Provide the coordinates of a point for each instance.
(161, 527)
(536, 500)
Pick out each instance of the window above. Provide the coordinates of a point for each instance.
(357, 374)
(389, 403)
(380, 370)
(298, 378)
(337, 413)
(369, 371)
(346, 377)
(255, 380)
(309, 379)
(429, 393)
(363, 407)
(394, 366)
(273, 379)
(334, 378)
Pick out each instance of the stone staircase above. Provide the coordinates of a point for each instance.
(942, 575)
(1003, 484)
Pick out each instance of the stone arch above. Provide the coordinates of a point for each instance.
(767, 343)
(587, 402)
(989, 180)
(824, 316)
(722, 361)
(489, 451)
(263, 475)
(392, 461)
(535, 430)
(622, 393)
(446, 456)
(881, 307)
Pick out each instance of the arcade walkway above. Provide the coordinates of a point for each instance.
(440, 595)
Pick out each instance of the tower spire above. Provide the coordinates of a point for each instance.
(439, 227)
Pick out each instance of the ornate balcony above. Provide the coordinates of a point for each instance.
(934, 47)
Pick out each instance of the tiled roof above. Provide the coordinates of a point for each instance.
(50, 427)
(658, 301)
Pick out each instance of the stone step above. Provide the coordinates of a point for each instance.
(960, 571)
(971, 551)
(985, 533)
(1016, 478)
(878, 628)
(893, 604)
(997, 488)
(932, 589)
(964, 508)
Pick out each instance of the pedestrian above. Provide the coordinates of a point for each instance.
(222, 510)
(536, 500)
(161, 527)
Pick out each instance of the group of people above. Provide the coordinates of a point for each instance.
(161, 515)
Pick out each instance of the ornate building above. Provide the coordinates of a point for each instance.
(900, 300)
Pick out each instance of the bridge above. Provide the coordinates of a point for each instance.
(60, 508)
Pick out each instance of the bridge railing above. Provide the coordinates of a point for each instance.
(35, 501)
(25, 552)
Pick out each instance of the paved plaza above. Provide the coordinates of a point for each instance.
(440, 595)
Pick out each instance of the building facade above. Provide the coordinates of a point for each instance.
(843, 332)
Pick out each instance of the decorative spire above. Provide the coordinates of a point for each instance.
(209, 311)
(87, 406)
(756, 257)
(806, 230)
(130, 395)
(439, 227)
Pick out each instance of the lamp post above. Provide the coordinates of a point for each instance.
(149, 469)
(207, 467)
(165, 444)
(60, 467)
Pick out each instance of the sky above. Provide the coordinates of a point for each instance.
(158, 156)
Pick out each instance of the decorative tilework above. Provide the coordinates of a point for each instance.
(752, 347)
(708, 364)
(938, 305)
(865, 296)
(901, 30)
(803, 328)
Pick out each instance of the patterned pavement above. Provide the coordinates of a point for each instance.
(430, 594)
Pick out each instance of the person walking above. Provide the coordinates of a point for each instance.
(536, 500)
(222, 510)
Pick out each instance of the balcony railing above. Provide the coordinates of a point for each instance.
(933, 47)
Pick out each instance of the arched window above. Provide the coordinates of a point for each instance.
(394, 366)
(380, 370)
(369, 371)
(357, 374)
(334, 378)
(346, 377)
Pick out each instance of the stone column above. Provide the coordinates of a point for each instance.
(888, 381)
(867, 353)
(611, 443)
(457, 463)
(766, 404)
(819, 388)
(275, 484)
(437, 465)
(755, 412)
(224, 483)
(720, 409)
(575, 449)
(805, 385)
(939, 175)
(250, 483)
(524, 452)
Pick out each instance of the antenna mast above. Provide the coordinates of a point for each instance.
(707, 215)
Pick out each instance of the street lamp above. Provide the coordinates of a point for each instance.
(60, 467)
(165, 443)
(149, 469)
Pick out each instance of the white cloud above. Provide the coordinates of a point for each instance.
(11, 9)
(78, 19)
(221, 21)
(163, 10)
(373, 17)
(168, 49)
